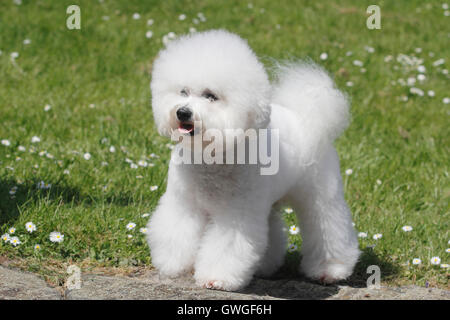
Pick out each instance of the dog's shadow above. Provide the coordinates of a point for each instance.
(287, 283)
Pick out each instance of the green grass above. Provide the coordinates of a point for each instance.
(97, 82)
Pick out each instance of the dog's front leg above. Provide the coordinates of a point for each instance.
(232, 247)
(174, 233)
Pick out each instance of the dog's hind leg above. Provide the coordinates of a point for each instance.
(276, 249)
(330, 247)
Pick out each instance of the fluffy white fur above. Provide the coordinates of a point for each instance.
(222, 221)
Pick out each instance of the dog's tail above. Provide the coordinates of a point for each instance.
(308, 90)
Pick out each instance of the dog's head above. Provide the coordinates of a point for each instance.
(211, 77)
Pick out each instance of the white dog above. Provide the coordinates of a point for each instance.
(222, 221)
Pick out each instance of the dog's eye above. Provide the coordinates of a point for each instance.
(210, 96)
(184, 92)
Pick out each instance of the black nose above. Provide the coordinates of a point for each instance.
(184, 114)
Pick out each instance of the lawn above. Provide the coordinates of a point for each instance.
(80, 154)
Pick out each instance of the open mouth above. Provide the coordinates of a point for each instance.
(186, 127)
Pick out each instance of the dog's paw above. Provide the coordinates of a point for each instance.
(328, 273)
(219, 284)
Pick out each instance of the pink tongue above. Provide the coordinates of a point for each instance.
(184, 130)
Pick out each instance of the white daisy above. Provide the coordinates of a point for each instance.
(444, 266)
(30, 226)
(136, 16)
(153, 188)
(35, 139)
(145, 215)
(358, 63)
(21, 148)
(12, 230)
(182, 17)
(349, 84)
(446, 100)
(87, 156)
(15, 241)
(56, 237)
(292, 247)
(150, 22)
(416, 261)
(112, 149)
(447, 250)
(131, 226)
(407, 228)
(417, 91)
(421, 69)
(421, 77)
(379, 182)
(431, 93)
(14, 55)
(6, 142)
(294, 230)
(348, 172)
(143, 230)
(323, 56)
(26, 41)
(362, 235)
(130, 236)
(37, 247)
(133, 166)
(377, 236)
(5, 237)
(142, 163)
(149, 34)
(47, 107)
(435, 260)
(288, 210)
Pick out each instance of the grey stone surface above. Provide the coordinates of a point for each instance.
(24, 286)
(20, 285)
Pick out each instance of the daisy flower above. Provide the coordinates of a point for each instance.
(136, 16)
(153, 188)
(292, 247)
(131, 226)
(421, 69)
(35, 139)
(288, 210)
(358, 63)
(323, 56)
(417, 91)
(143, 230)
(447, 250)
(6, 142)
(431, 93)
(87, 156)
(143, 163)
(12, 230)
(435, 260)
(150, 22)
(26, 41)
(379, 182)
(133, 166)
(145, 215)
(112, 149)
(294, 230)
(446, 100)
(377, 236)
(130, 236)
(56, 237)
(47, 107)
(30, 226)
(348, 172)
(182, 17)
(362, 235)
(5, 237)
(149, 34)
(15, 241)
(14, 55)
(37, 247)
(444, 266)
(407, 228)
(416, 261)
(21, 148)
